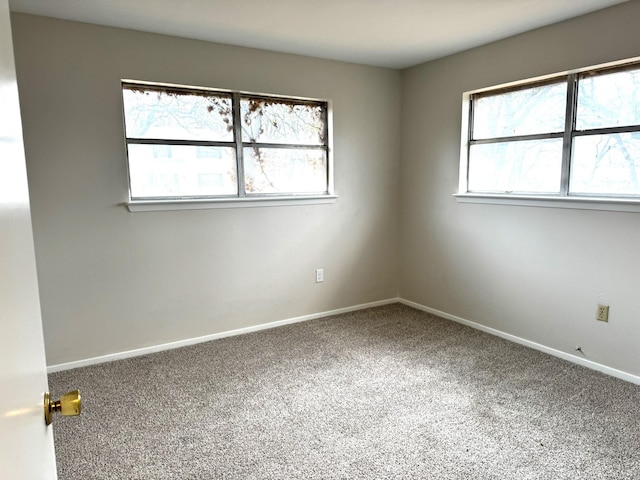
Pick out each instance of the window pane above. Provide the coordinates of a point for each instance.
(181, 171)
(282, 170)
(532, 166)
(606, 164)
(527, 111)
(177, 115)
(281, 121)
(609, 100)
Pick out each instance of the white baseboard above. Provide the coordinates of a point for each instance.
(536, 346)
(206, 338)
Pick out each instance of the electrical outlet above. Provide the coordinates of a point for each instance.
(602, 313)
(319, 275)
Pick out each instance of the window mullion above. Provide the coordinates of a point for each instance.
(289, 146)
(569, 126)
(237, 135)
(472, 100)
(325, 141)
(607, 130)
(160, 141)
(518, 138)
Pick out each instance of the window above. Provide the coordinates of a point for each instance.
(575, 136)
(186, 144)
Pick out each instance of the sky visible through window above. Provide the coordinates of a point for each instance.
(517, 137)
(184, 143)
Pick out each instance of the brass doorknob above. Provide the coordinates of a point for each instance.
(69, 405)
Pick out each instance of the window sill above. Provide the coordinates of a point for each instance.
(203, 204)
(580, 203)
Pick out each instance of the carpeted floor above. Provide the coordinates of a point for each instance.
(388, 392)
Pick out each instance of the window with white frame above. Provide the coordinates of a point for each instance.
(187, 143)
(570, 136)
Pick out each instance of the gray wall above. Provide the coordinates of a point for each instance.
(537, 273)
(111, 280)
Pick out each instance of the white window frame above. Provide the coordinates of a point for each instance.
(564, 199)
(137, 204)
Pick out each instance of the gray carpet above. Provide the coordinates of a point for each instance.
(388, 392)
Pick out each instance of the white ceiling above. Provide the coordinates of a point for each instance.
(389, 33)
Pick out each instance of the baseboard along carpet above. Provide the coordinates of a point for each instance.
(381, 393)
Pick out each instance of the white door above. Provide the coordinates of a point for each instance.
(26, 444)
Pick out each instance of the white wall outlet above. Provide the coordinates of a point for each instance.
(602, 313)
(319, 275)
